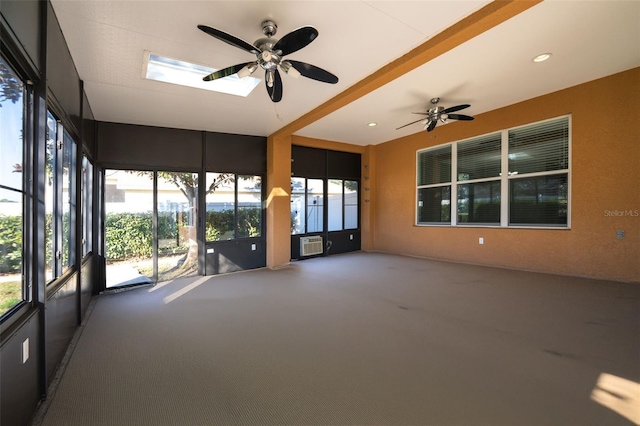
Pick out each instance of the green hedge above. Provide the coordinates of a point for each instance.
(218, 223)
(128, 235)
(10, 244)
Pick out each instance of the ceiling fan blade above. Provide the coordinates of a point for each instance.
(432, 125)
(460, 117)
(313, 72)
(229, 39)
(225, 72)
(275, 91)
(455, 108)
(413, 122)
(296, 40)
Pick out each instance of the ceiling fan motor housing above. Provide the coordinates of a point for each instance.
(269, 28)
(267, 58)
(435, 113)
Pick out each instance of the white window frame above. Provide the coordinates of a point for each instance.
(504, 181)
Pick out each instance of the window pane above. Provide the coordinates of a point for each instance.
(249, 206)
(11, 122)
(220, 206)
(315, 205)
(11, 187)
(434, 166)
(68, 201)
(177, 241)
(87, 206)
(335, 204)
(479, 158)
(10, 249)
(479, 202)
(128, 227)
(298, 223)
(539, 200)
(49, 194)
(540, 147)
(434, 205)
(351, 204)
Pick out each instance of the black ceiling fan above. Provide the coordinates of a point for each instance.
(439, 113)
(269, 56)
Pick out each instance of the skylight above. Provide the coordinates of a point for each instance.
(184, 73)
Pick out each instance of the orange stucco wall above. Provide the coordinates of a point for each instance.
(278, 199)
(605, 189)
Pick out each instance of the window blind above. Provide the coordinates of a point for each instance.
(434, 166)
(479, 158)
(540, 147)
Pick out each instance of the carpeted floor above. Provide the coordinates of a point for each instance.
(361, 338)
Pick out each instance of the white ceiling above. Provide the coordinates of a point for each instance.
(107, 40)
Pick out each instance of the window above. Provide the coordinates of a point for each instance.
(249, 218)
(434, 185)
(307, 205)
(478, 167)
(517, 177)
(13, 289)
(50, 195)
(342, 204)
(87, 206)
(177, 201)
(234, 206)
(68, 201)
(60, 190)
(539, 174)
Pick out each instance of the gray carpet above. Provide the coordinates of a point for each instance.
(361, 338)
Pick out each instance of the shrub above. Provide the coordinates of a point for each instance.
(129, 235)
(10, 244)
(220, 222)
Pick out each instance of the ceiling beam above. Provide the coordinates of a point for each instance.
(473, 25)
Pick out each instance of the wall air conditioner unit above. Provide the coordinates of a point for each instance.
(310, 246)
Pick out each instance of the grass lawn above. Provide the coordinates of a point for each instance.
(10, 294)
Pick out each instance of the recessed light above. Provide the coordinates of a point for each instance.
(373, 123)
(542, 57)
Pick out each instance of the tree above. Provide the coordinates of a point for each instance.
(10, 85)
(187, 183)
(350, 185)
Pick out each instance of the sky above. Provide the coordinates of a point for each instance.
(10, 148)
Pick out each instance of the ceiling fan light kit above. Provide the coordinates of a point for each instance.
(439, 113)
(269, 56)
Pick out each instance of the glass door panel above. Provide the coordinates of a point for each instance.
(128, 201)
(315, 205)
(220, 207)
(298, 223)
(177, 240)
(249, 206)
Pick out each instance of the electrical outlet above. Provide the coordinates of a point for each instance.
(253, 247)
(480, 240)
(25, 350)
(351, 236)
